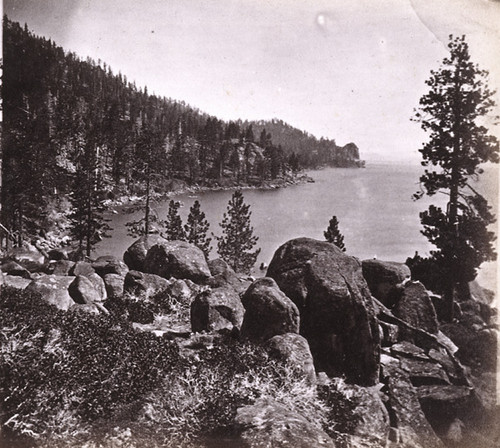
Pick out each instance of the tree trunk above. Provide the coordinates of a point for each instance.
(146, 217)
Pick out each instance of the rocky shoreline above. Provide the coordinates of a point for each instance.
(362, 329)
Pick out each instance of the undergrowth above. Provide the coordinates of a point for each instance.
(74, 379)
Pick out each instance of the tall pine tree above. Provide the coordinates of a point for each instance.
(458, 144)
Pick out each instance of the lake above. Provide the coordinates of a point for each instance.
(374, 207)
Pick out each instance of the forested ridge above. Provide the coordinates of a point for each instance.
(76, 134)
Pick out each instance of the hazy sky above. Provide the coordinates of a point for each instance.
(349, 70)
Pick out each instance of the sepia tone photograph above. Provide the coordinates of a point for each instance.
(249, 224)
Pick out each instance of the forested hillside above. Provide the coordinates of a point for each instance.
(75, 134)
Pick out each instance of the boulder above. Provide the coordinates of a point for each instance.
(82, 291)
(412, 428)
(224, 275)
(62, 267)
(30, 259)
(147, 285)
(294, 350)
(383, 278)
(99, 285)
(268, 312)
(135, 255)
(270, 424)
(217, 309)
(53, 289)
(177, 259)
(13, 281)
(82, 268)
(10, 267)
(114, 285)
(108, 264)
(336, 309)
(58, 254)
(415, 307)
(181, 290)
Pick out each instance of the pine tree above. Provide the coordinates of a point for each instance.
(173, 223)
(333, 235)
(237, 238)
(451, 112)
(196, 229)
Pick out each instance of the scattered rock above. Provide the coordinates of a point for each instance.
(53, 289)
(135, 255)
(383, 278)
(217, 309)
(114, 285)
(110, 265)
(99, 285)
(293, 349)
(270, 424)
(177, 259)
(268, 312)
(416, 308)
(335, 305)
(147, 285)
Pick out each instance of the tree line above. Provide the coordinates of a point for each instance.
(75, 134)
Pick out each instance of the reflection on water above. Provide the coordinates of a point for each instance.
(376, 213)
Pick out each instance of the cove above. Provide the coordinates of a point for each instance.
(374, 206)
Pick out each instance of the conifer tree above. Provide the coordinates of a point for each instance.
(458, 143)
(333, 235)
(173, 223)
(196, 229)
(237, 240)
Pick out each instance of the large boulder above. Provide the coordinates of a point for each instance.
(217, 309)
(336, 309)
(141, 284)
(294, 350)
(85, 290)
(135, 255)
(114, 285)
(270, 424)
(383, 278)
(13, 281)
(53, 289)
(177, 259)
(268, 312)
(415, 307)
(61, 267)
(82, 268)
(109, 264)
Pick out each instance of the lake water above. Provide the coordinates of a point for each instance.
(376, 213)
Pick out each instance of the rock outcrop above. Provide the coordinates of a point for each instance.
(335, 305)
(268, 311)
(177, 259)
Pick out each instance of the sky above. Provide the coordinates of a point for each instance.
(351, 70)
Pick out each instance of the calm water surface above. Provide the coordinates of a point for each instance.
(376, 213)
